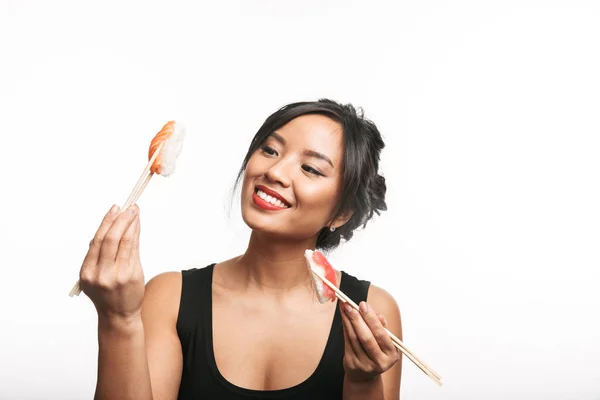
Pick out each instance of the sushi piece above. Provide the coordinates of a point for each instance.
(171, 138)
(164, 150)
(318, 263)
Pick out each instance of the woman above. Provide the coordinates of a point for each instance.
(250, 327)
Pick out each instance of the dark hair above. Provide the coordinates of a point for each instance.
(363, 189)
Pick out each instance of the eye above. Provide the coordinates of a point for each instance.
(311, 170)
(268, 150)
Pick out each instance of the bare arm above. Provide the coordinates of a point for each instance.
(122, 362)
(140, 358)
(366, 326)
(159, 313)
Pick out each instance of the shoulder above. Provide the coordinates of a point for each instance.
(164, 283)
(384, 303)
(163, 293)
(380, 298)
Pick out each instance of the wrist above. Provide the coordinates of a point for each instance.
(363, 386)
(119, 325)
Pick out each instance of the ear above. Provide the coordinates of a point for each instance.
(341, 219)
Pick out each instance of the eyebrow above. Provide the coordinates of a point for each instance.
(309, 153)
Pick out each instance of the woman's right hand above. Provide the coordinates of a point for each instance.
(111, 274)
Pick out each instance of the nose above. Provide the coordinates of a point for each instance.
(279, 173)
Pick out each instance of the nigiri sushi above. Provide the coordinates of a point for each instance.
(171, 137)
(317, 262)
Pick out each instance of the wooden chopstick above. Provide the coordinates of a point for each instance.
(397, 342)
(135, 194)
(143, 178)
(76, 290)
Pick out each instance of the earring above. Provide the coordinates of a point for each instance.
(332, 228)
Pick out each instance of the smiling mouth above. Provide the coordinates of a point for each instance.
(270, 200)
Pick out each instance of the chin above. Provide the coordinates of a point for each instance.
(275, 228)
(258, 221)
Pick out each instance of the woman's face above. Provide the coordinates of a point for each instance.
(292, 182)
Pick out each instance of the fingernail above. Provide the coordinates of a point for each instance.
(113, 210)
(348, 308)
(364, 307)
(132, 210)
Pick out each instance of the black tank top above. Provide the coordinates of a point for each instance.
(201, 378)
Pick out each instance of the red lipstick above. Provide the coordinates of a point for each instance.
(265, 204)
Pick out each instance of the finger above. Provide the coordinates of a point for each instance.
(352, 342)
(135, 251)
(348, 350)
(112, 239)
(126, 243)
(365, 337)
(376, 330)
(382, 320)
(96, 242)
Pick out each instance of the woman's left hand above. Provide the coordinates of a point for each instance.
(369, 351)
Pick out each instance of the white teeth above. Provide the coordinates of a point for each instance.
(270, 199)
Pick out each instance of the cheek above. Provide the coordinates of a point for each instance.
(250, 172)
(256, 166)
(321, 199)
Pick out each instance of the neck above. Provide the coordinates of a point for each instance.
(275, 264)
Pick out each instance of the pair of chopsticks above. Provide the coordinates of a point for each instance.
(135, 194)
(397, 342)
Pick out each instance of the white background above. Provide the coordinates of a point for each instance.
(489, 110)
